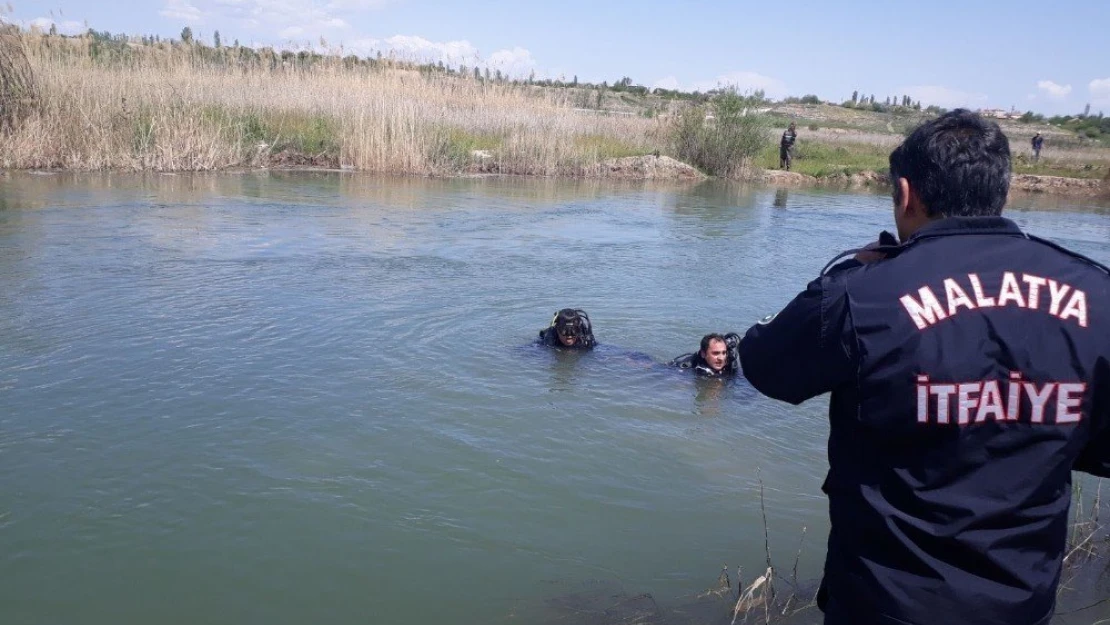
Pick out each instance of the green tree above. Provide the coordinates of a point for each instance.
(187, 35)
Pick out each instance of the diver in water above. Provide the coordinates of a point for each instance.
(719, 356)
(569, 329)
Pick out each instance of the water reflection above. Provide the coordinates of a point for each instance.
(781, 195)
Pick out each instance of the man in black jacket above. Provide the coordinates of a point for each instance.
(969, 371)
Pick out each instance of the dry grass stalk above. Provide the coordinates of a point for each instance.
(758, 594)
(18, 93)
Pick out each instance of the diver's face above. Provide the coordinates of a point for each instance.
(716, 355)
(566, 337)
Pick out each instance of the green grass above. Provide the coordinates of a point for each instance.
(1050, 167)
(455, 147)
(606, 147)
(819, 159)
(299, 132)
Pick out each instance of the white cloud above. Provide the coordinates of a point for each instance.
(419, 49)
(275, 18)
(68, 27)
(1053, 90)
(515, 62)
(944, 96)
(669, 83)
(746, 82)
(356, 5)
(183, 11)
(1100, 91)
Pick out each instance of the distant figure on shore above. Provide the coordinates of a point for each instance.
(570, 329)
(786, 147)
(1038, 143)
(718, 356)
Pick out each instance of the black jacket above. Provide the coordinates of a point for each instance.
(970, 374)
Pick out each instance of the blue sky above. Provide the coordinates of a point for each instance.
(1050, 57)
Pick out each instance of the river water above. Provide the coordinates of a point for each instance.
(311, 397)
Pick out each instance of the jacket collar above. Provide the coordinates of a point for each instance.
(967, 225)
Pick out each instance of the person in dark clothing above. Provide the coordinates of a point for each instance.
(969, 372)
(786, 147)
(1038, 143)
(570, 329)
(716, 358)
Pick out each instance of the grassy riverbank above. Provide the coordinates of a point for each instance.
(173, 106)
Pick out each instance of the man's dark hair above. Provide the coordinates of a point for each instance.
(709, 338)
(958, 163)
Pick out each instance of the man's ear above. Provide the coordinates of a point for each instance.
(902, 195)
(914, 208)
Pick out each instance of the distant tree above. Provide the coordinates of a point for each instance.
(216, 38)
(574, 83)
(498, 75)
(598, 105)
(888, 101)
(1087, 110)
(440, 66)
(531, 77)
(477, 73)
(53, 30)
(187, 35)
(872, 98)
(487, 73)
(236, 43)
(855, 96)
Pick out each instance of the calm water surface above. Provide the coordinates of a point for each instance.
(311, 398)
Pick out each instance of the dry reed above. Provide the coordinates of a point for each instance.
(165, 111)
(18, 94)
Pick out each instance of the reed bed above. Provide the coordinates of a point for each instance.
(167, 111)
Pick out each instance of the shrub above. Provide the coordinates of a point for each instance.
(722, 145)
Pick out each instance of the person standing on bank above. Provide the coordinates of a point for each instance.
(1038, 143)
(969, 371)
(786, 147)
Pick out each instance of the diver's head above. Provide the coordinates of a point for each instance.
(714, 352)
(572, 327)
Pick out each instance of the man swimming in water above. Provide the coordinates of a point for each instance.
(569, 329)
(719, 356)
